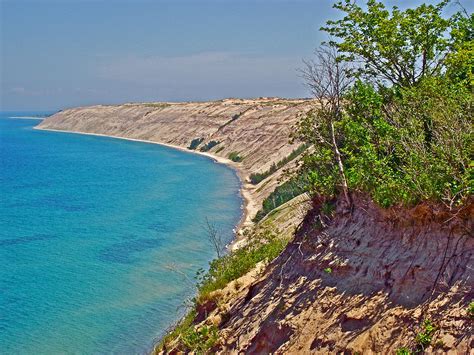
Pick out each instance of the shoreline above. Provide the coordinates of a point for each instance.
(245, 193)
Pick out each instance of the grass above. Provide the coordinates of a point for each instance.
(264, 247)
(200, 340)
(185, 337)
(157, 105)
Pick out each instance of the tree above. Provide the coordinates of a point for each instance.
(401, 47)
(395, 106)
(328, 81)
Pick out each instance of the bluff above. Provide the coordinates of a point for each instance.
(368, 280)
(255, 131)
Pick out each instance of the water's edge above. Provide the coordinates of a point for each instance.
(245, 218)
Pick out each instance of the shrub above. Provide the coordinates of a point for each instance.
(266, 246)
(195, 143)
(398, 131)
(208, 146)
(283, 193)
(234, 156)
(423, 339)
(200, 340)
(232, 119)
(470, 310)
(256, 178)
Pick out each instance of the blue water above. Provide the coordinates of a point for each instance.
(100, 238)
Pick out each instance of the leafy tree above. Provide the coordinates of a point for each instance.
(400, 47)
(402, 131)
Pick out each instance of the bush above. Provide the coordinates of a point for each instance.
(195, 143)
(399, 131)
(234, 156)
(256, 178)
(200, 340)
(266, 246)
(283, 193)
(208, 146)
(423, 339)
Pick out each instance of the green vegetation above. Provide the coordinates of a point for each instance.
(397, 121)
(234, 156)
(403, 351)
(256, 178)
(423, 338)
(233, 118)
(195, 143)
(200, 340)
(264, 247)
(220, 149)
(283, 193)
(159, 105)
(394, 121)
(470, 310)
(208, 146)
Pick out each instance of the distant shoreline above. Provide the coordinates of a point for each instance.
(26, 118)
(244, 191)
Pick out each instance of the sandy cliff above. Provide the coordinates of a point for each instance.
(360, 283)
(258, 130)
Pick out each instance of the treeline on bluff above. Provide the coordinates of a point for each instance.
(395, 106)
(393, 119)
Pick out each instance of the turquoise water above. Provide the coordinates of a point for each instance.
(100, 238)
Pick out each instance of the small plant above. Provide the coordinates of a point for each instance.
(439, 344)
(195, 143)
(201, 340)
(328, 208)
(220, 149)
(328, 270)
(235, 157)
(403, 351)
(470, 310)
(424, 338)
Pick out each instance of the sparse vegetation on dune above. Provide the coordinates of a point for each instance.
(235, 157)
(256, 178)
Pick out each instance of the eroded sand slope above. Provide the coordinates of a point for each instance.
(258, 130)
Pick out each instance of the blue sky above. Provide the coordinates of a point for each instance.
(62, 53)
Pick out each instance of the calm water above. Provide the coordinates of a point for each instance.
(96, 235)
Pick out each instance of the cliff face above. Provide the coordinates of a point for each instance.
(360, 282)
(357, 282)
(257, 130)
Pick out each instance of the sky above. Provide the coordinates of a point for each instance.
(63, 53)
